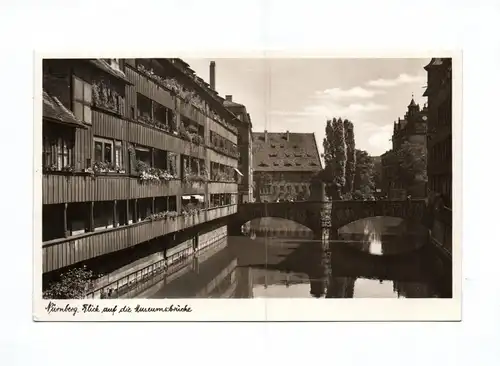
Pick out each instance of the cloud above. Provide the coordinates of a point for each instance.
(332, 109)
(356, 92)
(368, 107)
(401, 79)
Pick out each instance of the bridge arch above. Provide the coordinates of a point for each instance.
(346, 212)
(308, 214)
(330, 214)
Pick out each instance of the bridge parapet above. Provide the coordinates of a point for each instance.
(330, 214)
(308, 213)
(345, 212)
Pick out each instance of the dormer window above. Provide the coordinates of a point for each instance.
(273, 155)
(263, 164)
(288, 164)
(276, 163)
(114, 63)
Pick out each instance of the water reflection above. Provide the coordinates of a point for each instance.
(373, 258)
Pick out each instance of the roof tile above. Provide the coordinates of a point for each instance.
(298, 153)
(55, 110)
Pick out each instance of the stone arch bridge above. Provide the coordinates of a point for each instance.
(316, 215)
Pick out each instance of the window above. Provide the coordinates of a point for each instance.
(82, 100)
(160, 159)
(172, 203)
(108, 152)
(121, 210)
(144, 106)
(103, 215)
(144, 208)
(78, 218)
(52, 219)
(58, 146)
(103, 150)
(143, 154)
(118, 154)
(159, 113)
(161, 204)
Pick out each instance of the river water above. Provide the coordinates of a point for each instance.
(373, 258)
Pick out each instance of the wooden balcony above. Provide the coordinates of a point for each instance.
(161, 95)
(218, 212)
(222, 131)
(109, 126)
(217, 157)
(222, 187)
(67, 251)
(60, 188)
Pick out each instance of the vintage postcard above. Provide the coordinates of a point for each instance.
(240, 188)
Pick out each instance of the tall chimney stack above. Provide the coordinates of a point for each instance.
(265, 135)
(288, 135)
(212, 75)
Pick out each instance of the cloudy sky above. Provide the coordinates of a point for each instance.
(299, 95)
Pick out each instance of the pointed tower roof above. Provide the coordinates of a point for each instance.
(412, 103)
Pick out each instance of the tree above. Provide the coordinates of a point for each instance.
(73, 284)
(335, 158)
(339, 157)
(412, 162)
(350, 168)
(326, 175)
(377, 179)
(328, 151)
(363, 176)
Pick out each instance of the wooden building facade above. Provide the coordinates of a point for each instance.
(127, 155)
(439, 150)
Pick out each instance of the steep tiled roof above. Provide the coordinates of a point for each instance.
(298, 153)
(103, 65)
(229, 104)
(53, 109)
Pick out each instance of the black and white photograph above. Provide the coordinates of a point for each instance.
(246, 178)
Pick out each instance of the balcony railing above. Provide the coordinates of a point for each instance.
(224, 150)
(63, 252)
(166, 126)
(63, 188)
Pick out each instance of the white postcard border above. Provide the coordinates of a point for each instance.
(258, 309)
